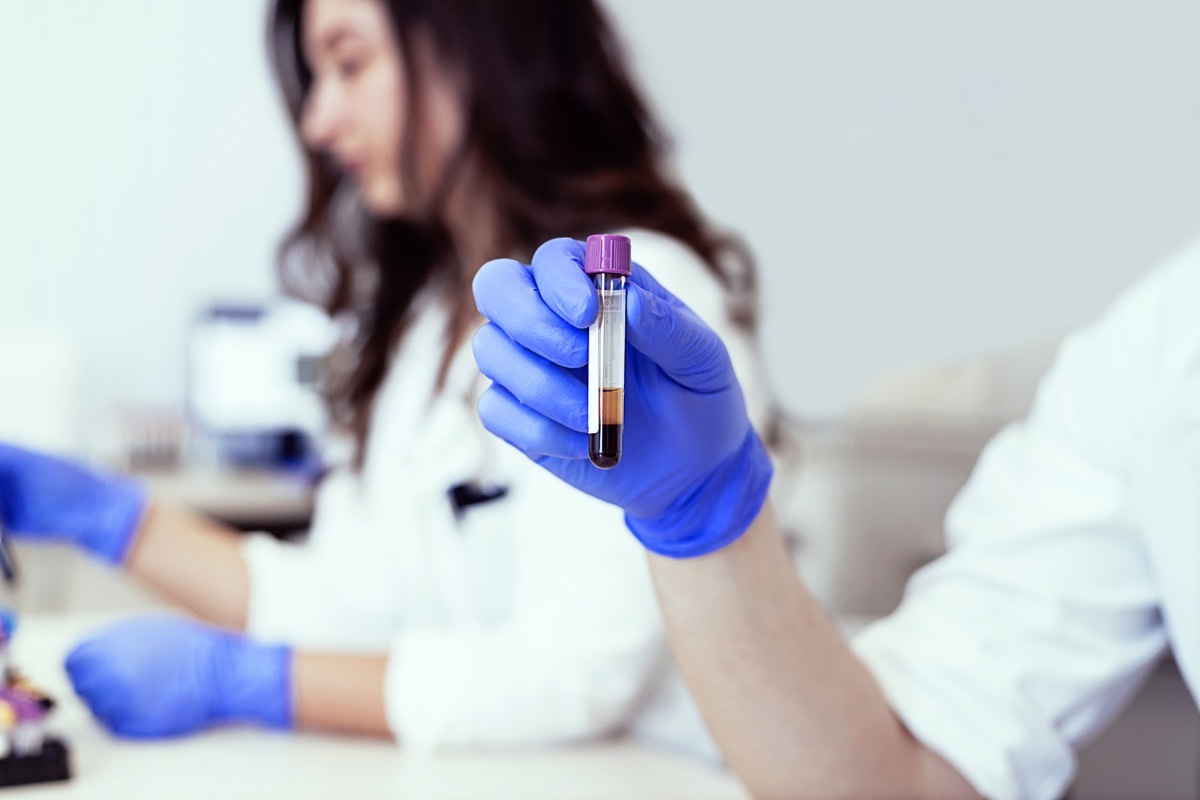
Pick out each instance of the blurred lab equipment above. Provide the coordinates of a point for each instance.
(252, 383)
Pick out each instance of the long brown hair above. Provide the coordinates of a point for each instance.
(563, 145)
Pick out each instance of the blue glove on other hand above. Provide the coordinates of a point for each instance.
(160, 676)
(694, 473)
(44, 497)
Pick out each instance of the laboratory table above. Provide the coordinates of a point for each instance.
(250, 763)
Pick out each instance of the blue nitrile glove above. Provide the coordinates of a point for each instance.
(8, 622)
(694, 474)
(46, 497)
(155, 677)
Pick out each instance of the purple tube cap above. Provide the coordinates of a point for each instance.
(607, 252)
(26, 708)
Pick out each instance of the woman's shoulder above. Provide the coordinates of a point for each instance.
(683, 272)
(672, 262)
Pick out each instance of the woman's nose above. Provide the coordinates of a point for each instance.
(319, 118)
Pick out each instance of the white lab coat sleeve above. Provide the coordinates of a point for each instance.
(1043, 618)
(286, 592)
(326, 593)
(581, 645)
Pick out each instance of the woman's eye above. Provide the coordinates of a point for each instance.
(348, 68)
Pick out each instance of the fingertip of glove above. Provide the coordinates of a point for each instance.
(494, 276)
(76, 658)
(562, 247)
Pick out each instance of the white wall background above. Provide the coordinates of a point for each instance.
(145, 168)
(921, 180)
(930, 179)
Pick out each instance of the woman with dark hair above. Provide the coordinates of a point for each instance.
(450, 592)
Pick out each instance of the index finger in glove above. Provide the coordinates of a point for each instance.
(507, 294)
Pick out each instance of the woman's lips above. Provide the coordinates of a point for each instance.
(354, 167)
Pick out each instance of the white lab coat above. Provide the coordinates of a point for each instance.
(532, 619)
(1074, 556)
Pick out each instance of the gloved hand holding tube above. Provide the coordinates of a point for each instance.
(157, 677)
(50, 498)
(693, 474)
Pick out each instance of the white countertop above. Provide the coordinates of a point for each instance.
(251, 763)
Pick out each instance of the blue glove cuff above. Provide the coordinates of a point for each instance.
(253, 683)
(717, 512)
(111, 532)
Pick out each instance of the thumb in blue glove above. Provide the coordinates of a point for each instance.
(157, 677)
(694, 474)
(45, 497)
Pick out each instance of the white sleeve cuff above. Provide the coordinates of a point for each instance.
(424, 710)
(990, 737)
(498, 688)
(282, 605)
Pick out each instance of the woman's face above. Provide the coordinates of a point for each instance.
(355, 109)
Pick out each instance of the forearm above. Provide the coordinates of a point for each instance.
(794, 711)
(340, 692)
(193, 561)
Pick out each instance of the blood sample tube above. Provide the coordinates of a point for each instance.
(607, 262)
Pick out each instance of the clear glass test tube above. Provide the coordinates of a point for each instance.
(608, 263)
